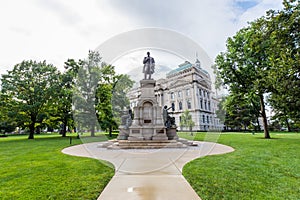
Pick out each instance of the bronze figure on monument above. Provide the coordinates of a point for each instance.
(149, 66)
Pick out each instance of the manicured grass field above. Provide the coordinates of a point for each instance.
(36, 169)
(258, 169)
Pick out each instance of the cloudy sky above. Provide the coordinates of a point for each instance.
(55, 30)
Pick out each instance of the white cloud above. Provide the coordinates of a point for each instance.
(57, 30)
(54, 31)
(258, 11)
(134, 60)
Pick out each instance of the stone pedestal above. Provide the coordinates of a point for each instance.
(123, 133)
(147, 123)
(147, 130)
(172, 133)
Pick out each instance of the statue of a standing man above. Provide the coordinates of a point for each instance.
(149, 65)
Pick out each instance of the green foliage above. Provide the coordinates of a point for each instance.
(28, 89)
(90, 73)
(257, 169)
(37, 96)
(104, 107)
(31, 171)
(111, 99)
(7, 121)
(240, 112)
(263, 58)
(6, 127)
(120, 89)
(243, 67)
(99, 94)
(61, 111)
(284, 58)
(186, 120)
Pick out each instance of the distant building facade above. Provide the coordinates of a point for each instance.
(188, 87)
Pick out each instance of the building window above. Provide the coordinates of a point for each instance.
(200, 92)
(207, 94)
(208, 105)
(201, 103)
(207, 119)
(179, 94)
(203, 118)
(172, 95)
(204, 93)
(189, 105)
(205, 105)
(188, 92)
(180, 105)
(173, 106)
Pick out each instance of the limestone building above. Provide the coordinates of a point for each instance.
(188, 87)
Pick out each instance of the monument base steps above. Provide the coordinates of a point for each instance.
(146, 144)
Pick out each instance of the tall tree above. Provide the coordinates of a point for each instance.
(240, 111)
(84, 97)
(100, 93)
(284, 58)
(111, 98)
(31, 86)
(120, 100)
(263, 58)
(104, 94)
(244, 65)
(106, 118)
(186, 120)
(63, 106)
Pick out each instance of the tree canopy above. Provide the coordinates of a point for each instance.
(99, 94)
(28, 89)
(186, 120)
(36, 95)
(262, 60)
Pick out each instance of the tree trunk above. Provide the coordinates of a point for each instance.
(288, 125)
(64, 130)
(110, 131)
(191, 128)
(31, 132)
(264, 116)
(92, 131)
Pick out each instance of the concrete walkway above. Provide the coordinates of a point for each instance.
(148, 174)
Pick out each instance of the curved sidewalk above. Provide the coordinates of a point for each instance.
(148, 174)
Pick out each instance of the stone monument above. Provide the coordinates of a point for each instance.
(126, 121)
(151, 126)
(147, 123)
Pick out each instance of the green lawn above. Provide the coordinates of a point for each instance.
(36, 169)
(258, 169)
